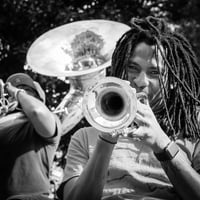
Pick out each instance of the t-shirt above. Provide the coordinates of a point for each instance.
(25, 156)
(133, 173)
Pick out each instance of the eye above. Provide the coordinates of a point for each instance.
(154, 72)
(133, 69)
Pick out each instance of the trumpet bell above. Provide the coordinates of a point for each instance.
(76, 48)
(110, 104)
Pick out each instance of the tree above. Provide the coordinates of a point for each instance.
(23, 21)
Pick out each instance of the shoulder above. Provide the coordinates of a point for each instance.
(86, 132)
(85, 136)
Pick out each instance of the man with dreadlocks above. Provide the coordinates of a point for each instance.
(160, 159)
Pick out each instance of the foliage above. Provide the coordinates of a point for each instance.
(87, 43)
(23, 21)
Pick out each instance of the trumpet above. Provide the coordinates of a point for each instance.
(110, 105)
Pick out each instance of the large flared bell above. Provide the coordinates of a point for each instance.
(76, 48)
(79, 51)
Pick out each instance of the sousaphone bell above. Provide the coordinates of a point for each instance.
(79, 52)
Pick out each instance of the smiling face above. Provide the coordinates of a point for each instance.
(143, 71)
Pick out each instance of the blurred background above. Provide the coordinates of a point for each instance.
(23, 21)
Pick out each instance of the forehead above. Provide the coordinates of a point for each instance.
(143, 49)
(144, 52)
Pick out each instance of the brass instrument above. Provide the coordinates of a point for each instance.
(79, 52)
(110, 105)
(70, 109)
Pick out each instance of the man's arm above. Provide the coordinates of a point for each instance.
(89, 185)
(184, 178)
(37, 112)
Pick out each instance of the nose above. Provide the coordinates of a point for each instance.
(142, 80)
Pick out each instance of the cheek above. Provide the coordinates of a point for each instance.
(155, 84)
(132, 83)
(154, 89)
(131, 79)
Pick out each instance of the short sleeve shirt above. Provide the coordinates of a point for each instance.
(26, 157)
(134, 172)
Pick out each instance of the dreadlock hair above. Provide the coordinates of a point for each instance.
(181, 92)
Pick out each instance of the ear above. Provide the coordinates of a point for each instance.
(198, 114)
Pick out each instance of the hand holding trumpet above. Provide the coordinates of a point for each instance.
(147, 128)
(113, 107)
